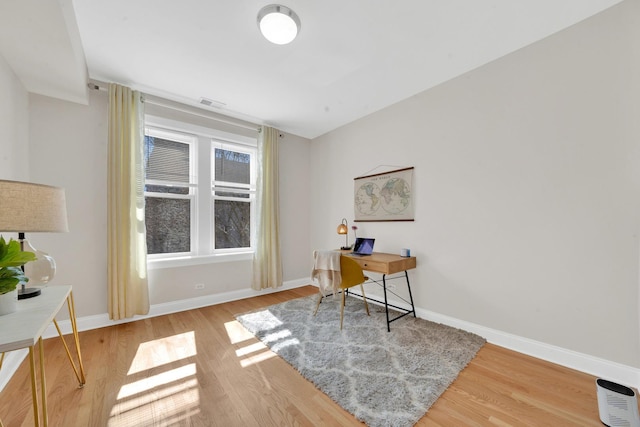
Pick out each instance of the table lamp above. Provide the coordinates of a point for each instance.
(343, 228)
(27, 207)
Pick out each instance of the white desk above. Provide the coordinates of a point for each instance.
(28, 323)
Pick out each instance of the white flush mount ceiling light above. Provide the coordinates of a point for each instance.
(278, 24)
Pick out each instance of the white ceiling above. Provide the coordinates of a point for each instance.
(40, 41)
(351, 58)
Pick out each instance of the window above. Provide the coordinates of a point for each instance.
(233, 195)
(169, 193)
(199, 192)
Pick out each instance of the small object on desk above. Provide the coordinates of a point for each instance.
(405, 252)
(363, 246)
(343, 228)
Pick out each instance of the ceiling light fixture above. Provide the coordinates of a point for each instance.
(278, 24)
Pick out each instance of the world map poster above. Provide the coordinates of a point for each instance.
(384, 196)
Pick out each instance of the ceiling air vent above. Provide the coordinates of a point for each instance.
(212, 103)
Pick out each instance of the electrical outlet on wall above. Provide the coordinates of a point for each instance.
(199, 285)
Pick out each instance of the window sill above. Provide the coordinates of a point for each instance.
(159, 263)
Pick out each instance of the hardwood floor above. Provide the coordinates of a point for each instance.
(201, 368)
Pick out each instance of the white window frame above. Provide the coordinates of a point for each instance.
(202, 215)
(191, 141)
(250, 190)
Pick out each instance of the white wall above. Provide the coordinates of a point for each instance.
(14, 129)
(295, 206)
(68, 143)
(69, 149)
(14, 162)
(526, 189)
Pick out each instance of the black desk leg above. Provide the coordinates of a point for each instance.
(386, 304)
(413, 307)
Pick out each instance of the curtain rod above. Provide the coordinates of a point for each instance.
(177, 106)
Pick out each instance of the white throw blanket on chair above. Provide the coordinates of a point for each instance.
(326, 271)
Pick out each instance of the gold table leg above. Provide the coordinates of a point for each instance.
(72, 317)
(74, 327)
(34, 387)
(43, 386)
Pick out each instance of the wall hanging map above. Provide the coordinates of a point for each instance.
(384, 196)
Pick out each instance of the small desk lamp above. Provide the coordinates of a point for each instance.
(343, 228)
(28, 207)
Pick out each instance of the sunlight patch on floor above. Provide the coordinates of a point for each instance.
(286, 343)
(252, 348)
(257, 358)
(266, 319)
(178, 401)
(152, 354)
(150, 383)
(277, 336)
(139, 402)
(251, 353)
(236, 332)
(259, 352)
(161, 384)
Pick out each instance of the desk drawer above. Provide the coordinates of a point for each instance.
(375, 266)
(383, 263)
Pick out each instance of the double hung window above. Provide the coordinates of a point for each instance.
(234, 191)
(199, 192)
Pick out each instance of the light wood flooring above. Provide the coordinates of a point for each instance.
(201, 368)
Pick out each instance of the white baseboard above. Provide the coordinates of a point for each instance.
(13, 359)
(10, 365)
(102, 320)
(622, 374)
(612, 371)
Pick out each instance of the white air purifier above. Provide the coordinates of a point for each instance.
(617, 404)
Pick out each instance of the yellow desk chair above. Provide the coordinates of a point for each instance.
(351, 275)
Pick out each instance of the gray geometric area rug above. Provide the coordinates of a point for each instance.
(382, 378)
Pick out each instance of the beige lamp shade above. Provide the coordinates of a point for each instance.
(27, 207)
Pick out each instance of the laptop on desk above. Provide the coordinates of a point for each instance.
(363, 246)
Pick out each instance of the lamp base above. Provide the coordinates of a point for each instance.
(28, 293)
(345, 248)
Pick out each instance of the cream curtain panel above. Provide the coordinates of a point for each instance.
(126, 241)
(267, 262)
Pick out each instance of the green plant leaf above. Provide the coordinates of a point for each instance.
(3, 247)
(12, 256)
(10, 278)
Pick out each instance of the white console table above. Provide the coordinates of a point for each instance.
(28, 323)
